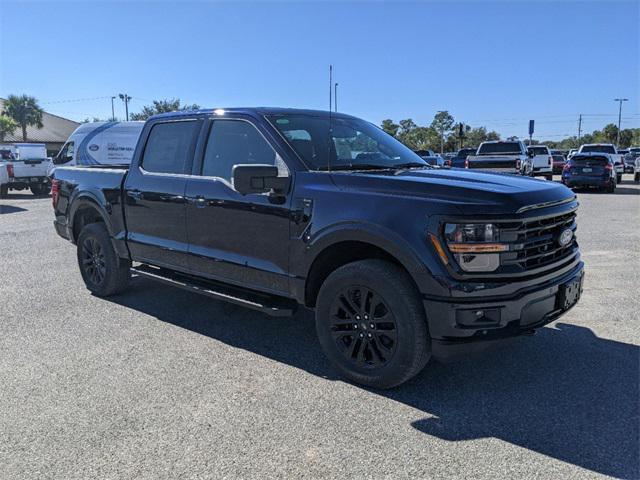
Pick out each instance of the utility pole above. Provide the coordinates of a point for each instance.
(330, 87)
(125, 98)
(579, 128)
(619, 100)
(113, 112)
(335, 96)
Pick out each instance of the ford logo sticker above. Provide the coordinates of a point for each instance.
(93, 147)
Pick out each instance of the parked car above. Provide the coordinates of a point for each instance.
(99, 143)
(502, 156)
(571, 153)
(558, 163)
(610, 150)
(541, 161)
(591, 169)
(629, 159)
(461, 156)
(6, 173)
(274, 208)
(29, 165)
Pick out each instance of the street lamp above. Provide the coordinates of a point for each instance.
(619, 100)
(125, 98)
(113, 112)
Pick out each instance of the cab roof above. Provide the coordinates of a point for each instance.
(253, 111)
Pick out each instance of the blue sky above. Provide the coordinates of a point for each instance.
(492, 64)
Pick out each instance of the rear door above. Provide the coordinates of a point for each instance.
(235, 238)
(154, 194)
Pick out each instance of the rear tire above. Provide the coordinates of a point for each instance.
(103, 272)
(371, 324)
(618, 178)
(636, 178)
(38, 189)
(549, 177)
(4, 191)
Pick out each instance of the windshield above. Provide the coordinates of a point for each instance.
(539, 150)
(598, 148)
(499, 148)
(346, 143)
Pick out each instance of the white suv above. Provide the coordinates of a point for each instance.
(541, 161)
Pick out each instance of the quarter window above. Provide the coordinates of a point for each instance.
(168, 147)
(236, 142)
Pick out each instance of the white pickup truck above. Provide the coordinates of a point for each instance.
(509, 156)
(27, 166)
(542, 161)
(610, 150)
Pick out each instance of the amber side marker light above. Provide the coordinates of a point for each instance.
(439, 249)
(477, 248)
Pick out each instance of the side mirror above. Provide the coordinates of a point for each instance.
(258, 179)
(531, 153)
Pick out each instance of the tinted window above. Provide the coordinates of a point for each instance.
(499, 148)
(591, 161)
(539, 150)
(168, 147)
(233, 143)
(598, 148)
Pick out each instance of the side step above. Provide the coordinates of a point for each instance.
(269, 304)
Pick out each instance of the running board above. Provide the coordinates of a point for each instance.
(268, 304)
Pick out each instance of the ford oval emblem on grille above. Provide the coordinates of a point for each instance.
(565, 237)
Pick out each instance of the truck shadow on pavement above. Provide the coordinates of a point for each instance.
(564, 393)
(10, 209)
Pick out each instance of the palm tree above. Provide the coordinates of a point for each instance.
(7, 126)
(25, 111)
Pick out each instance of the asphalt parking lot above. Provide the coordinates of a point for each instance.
(161, 383)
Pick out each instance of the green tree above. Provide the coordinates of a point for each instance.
(443, 124)
(162, 106)
(7, 126)
(610, 133)
(390, 127)
(25, 110)
(475, 136)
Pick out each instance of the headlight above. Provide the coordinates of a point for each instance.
(475, 246)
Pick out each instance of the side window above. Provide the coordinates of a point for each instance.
(168, 146)
(233, 142)
(65, 155)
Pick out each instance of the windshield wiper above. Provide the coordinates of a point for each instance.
(413, 165)
(360, 166)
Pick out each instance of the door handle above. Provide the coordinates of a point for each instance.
(136, 194)
(199, 201)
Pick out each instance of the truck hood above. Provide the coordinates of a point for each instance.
(467, 192)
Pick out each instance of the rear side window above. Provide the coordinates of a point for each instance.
(169, 146)
(500, 148)
(235, 142)
(598, 149)
(539, 150)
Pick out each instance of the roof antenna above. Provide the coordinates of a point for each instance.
(330, 126)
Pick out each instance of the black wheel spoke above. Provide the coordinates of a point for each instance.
(363, 327)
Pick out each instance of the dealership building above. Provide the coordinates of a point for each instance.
(54, 132)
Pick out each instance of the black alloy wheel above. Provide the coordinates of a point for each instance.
(363, 327)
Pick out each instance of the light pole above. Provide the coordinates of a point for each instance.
(113, 112)
(335, 96)
(619, 100)
(125, 98)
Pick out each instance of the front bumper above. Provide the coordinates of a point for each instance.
(458, 328)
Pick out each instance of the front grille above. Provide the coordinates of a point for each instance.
(535, 243)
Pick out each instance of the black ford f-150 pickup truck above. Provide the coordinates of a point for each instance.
(275, 208)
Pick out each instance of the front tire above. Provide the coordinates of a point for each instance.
(103, 272)
(618, 178)
(371, 324)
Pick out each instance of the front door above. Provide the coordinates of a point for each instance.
(235, 238)
(155, 205)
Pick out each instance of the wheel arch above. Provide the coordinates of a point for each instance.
(343, 246)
